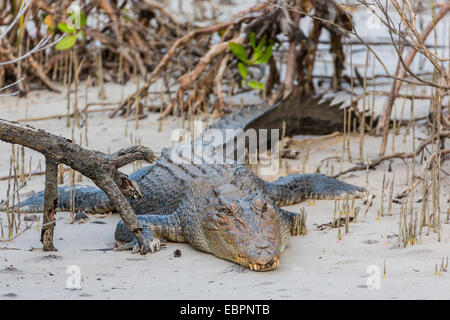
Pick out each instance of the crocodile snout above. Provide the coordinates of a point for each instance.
(263, 256)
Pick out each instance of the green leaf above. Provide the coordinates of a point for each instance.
(261, 44)
(239, 51)
(65, 28)
(256, 85)
(256, 56)
(253, 39)
(243, 70)
(267, 54)
(83, 19)
(67, 42)
(259, 51)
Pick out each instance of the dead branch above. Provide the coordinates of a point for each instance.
(99, 167)
(50, 203)
(418, 179)
(398, 155)
(181, 42)
(189, 78)
(291, 65)
(382, 126)
(40, 73)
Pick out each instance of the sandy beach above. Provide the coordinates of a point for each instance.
(368, 262)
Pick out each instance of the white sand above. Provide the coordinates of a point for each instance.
(313, 266)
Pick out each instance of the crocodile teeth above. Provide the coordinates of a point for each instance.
(276, 262)
(251, 267)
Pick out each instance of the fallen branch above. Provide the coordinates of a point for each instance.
(101, 168)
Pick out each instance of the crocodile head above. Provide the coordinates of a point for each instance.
(246, 231)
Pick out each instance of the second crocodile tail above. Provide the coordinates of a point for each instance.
(87, 198)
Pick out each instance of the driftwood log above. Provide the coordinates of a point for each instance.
(101, 168)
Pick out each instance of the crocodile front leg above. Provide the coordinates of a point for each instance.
(155, 227)
(296, 188)
(294, 221)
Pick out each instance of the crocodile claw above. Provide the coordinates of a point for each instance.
(153, 246)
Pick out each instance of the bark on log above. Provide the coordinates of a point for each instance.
(50, 203)
(101, 168)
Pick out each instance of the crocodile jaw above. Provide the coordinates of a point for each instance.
(271, 265)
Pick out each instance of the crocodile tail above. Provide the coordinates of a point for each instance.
(298, 114)
(87, 198)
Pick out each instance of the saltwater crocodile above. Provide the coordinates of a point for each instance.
(215, 204)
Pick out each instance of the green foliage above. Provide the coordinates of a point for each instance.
(73, 29)
(260, 55)
(243, 70)
(239, 51)
(65, 28)
(256, 85)
(67, 42)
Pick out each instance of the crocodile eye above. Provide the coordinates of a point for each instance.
(224, 211)
(260, 205)
(228, 211)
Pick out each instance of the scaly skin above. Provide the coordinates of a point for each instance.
(222, 209)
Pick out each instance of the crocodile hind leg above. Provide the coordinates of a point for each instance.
(296, 188)
(155, 227)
